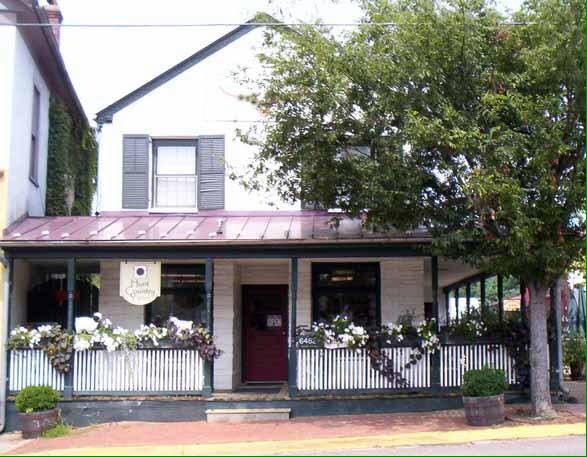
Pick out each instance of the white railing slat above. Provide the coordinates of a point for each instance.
(98, 371)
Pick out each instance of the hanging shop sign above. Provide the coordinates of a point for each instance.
(140, 282)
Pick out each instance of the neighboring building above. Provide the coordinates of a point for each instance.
(251, 273)
(31, 72)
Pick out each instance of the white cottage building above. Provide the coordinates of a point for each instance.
(250, 272)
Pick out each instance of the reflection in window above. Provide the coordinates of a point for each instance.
(182, 295)
(349, 289)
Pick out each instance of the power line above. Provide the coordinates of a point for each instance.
(223, 24)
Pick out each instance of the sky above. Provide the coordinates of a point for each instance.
(107, 63)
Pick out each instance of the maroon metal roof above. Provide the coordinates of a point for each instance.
(210, 226)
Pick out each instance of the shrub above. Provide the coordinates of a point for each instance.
(61, 429)
(36, 398)
(483, 383)
(574, 355)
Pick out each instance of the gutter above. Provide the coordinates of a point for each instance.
(196, 243)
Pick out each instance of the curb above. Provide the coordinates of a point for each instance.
(326, 444)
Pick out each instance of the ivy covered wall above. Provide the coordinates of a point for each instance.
(71, 163)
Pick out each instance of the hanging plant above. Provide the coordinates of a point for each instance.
(341, 332)
(97, 332)
(52, 339)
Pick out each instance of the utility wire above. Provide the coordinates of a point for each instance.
(220, 24)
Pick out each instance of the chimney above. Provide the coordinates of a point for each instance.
(55, 18)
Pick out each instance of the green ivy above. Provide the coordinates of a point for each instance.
(71, 163)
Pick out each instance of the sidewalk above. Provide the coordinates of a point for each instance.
(298, 435)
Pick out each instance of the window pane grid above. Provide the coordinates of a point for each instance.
(175, 182)
(175, 191)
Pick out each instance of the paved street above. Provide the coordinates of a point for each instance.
(572, 445)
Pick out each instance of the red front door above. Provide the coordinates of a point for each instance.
(265, 333)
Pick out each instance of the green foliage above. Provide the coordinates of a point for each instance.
(470, 127)
(61, 429)
(36, 398)
(574, 354)
(72, 163)
(59, 350)
(483, 383)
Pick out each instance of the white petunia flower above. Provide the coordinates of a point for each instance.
(85, 324)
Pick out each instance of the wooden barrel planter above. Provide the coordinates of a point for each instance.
(33, 425)
(484, 411)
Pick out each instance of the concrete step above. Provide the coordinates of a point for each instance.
(247, 415)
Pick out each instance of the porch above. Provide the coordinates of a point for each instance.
(248, 304)
(255, 298)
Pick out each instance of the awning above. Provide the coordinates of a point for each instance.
(210, 227)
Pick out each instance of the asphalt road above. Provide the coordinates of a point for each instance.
(572, 445)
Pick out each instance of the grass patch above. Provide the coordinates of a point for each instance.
(57, 431)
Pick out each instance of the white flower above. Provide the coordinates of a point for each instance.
(181, 325)
(81, 344)
(110, 343)
(44, 330)
(85, 324)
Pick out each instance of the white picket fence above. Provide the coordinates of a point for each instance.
(32, 368)
(456, 359)
(346, 369)
(350, 369)
(145, 371)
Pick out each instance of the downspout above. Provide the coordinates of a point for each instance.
(98, 202)
(7, 292)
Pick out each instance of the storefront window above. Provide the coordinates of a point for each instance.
(182, 295)
(346, 288)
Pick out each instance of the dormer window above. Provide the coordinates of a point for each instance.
(175, 178)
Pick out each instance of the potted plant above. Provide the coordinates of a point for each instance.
(483, 396)
(574, 356)
(37, 410)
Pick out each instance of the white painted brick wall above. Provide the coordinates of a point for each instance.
(112, 305)
(224, 304)
(304, 304)
(402, 288)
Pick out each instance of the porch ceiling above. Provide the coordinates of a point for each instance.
(204, 228)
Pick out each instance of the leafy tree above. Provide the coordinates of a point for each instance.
(454, 117)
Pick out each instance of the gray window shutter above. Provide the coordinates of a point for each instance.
(211, 172)
(135, 171)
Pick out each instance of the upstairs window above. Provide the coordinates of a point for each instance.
(175, 174)
(350, 289)
(34, 152)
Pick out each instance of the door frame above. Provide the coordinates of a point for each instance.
(243, 336)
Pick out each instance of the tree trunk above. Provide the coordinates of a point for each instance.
(539, 369)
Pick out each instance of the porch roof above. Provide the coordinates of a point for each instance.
(203, 228)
